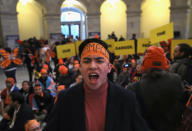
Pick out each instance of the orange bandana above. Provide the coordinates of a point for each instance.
(95, 49)
(11, 80)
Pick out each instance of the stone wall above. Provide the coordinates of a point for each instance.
(180, 11)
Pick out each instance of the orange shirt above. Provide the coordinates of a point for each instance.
(95, 108)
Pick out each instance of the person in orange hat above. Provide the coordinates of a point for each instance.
(10, 87)
(159, 92)
(64, 78)
(63, 70)
(46, 67)
(33, 125)
(60, 63)
(46, 82)
(95, 104)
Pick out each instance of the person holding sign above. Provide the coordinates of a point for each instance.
(96, 104)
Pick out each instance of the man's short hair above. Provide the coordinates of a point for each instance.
(186, 49)
(17, 96)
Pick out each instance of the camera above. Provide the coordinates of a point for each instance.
(128, 65)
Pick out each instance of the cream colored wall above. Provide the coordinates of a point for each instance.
(113, 18)
(155, 13)
(190, 23)
(30, 20)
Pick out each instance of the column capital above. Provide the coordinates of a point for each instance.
(93, 15)
(133, 13)
(4, 13)
(180, 9)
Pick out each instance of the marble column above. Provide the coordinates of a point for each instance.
(180, 18)
(93, 22)
(9, 24)
(53, 23)
(133, 23)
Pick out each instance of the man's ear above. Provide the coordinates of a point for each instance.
(80, 67)
(109, 67)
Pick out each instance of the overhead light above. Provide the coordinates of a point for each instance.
(112, 2)
(158, 0)
(24, 2)
(69, 2)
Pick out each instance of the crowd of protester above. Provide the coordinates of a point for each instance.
(161, 94)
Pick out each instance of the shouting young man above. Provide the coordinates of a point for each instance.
(96, 104)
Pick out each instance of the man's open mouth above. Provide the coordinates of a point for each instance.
(93, 76)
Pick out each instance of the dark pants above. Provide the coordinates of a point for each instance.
(30, 72)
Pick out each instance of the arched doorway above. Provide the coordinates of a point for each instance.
(113, 18)
(155, 13)
(31, 21)
(73, 19)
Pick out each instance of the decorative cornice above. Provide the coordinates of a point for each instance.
(52, 14)
(131, 13)
(8, 13)
(93, 14)
(178, 9)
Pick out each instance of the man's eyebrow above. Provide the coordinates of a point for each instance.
(99, 58)
(86, 58)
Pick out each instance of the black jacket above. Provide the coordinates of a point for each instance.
(24, 114)
(160, 100)
(122, 113)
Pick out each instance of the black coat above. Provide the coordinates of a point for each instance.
(24, 114)
(122, 113)
(160, 100)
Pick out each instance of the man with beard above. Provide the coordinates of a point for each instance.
(46, 82)
(182, 53)
(182, 65)
(96, 104)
